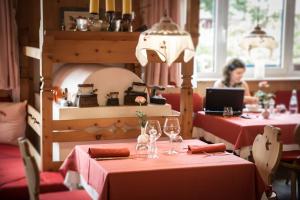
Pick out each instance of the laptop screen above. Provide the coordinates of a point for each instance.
(218, 98)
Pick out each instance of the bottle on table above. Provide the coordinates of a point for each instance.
(272, 105)
(293, 108)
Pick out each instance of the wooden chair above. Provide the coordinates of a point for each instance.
(291, 161)
(266, 151)
(33, 179)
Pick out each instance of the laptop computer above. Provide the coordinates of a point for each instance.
(218, 98)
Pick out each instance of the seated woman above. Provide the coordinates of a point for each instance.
(233, 75)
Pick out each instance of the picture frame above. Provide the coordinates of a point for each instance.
(68, 17)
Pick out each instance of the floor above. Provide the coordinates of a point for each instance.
(280, 187)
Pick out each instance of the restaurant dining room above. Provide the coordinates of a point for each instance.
(149, 99)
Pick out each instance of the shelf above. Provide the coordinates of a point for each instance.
(32, 52)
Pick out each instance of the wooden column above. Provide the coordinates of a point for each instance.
(186, 93)
(46, 99)
(192, 19)
(186, 99)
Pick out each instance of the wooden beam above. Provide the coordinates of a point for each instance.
(79, 136)
(186, 99)
(186, 92)
(46, 100)
(32, 52)
(81, 124)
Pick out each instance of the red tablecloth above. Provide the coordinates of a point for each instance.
(242, 132)
(183, 176)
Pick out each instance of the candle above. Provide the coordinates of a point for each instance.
(110, 5)
(127, 6)
(94, 6)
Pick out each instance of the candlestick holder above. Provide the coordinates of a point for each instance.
(127, 19)
(110, 17)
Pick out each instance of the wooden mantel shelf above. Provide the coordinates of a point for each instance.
(94, 47)
(89, 35)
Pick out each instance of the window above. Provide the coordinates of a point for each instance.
(224, 23)
(243, 15)
(296, 48)
(205, 51)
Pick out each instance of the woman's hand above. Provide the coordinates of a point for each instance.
(250, 100)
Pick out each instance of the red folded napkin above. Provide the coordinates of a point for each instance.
(206, 148)
(108, 152)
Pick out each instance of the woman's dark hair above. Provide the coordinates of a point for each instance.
(230, 67)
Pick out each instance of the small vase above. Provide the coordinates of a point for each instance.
(143, 138)
(142, 144)
(265, 113)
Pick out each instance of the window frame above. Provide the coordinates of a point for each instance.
(286, 68)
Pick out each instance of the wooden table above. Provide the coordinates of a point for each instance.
(183, 176)
(239, 133)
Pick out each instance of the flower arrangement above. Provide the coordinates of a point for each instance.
(263, 96)
(141, 116)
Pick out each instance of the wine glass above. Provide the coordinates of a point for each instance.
(154, 131)
(171, 129)
(228, 112)
(178, 144)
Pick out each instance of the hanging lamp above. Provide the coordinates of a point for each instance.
(167, 40)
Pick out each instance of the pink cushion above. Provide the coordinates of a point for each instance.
(12, 122)
(13, 183)
(11, 165)
(174, 100)
(71, 195)
(283, 97)
(50, 182)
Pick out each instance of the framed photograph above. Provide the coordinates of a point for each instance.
(68, 17)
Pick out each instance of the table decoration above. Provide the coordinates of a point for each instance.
(143, 138)
(206, 148)
(108, 152)
(172, 129)
(154, 131)
(264, 97)
(127, 16)
(266, 113)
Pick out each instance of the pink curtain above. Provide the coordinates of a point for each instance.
(9, 59)
(156, 73)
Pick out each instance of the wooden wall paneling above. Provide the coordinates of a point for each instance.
(51, 11)
(28, 25)
(55, 49)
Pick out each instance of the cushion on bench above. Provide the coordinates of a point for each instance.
(283, 97)
(13, 183)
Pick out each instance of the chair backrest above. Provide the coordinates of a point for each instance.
(297, 134)
(266, 151)
(174, 100)
(31, 169)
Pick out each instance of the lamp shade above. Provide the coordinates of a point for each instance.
(167, 40)
(258, 39)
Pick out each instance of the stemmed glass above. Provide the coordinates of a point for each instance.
(171, 129)
(154, 131)
(228, 112)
